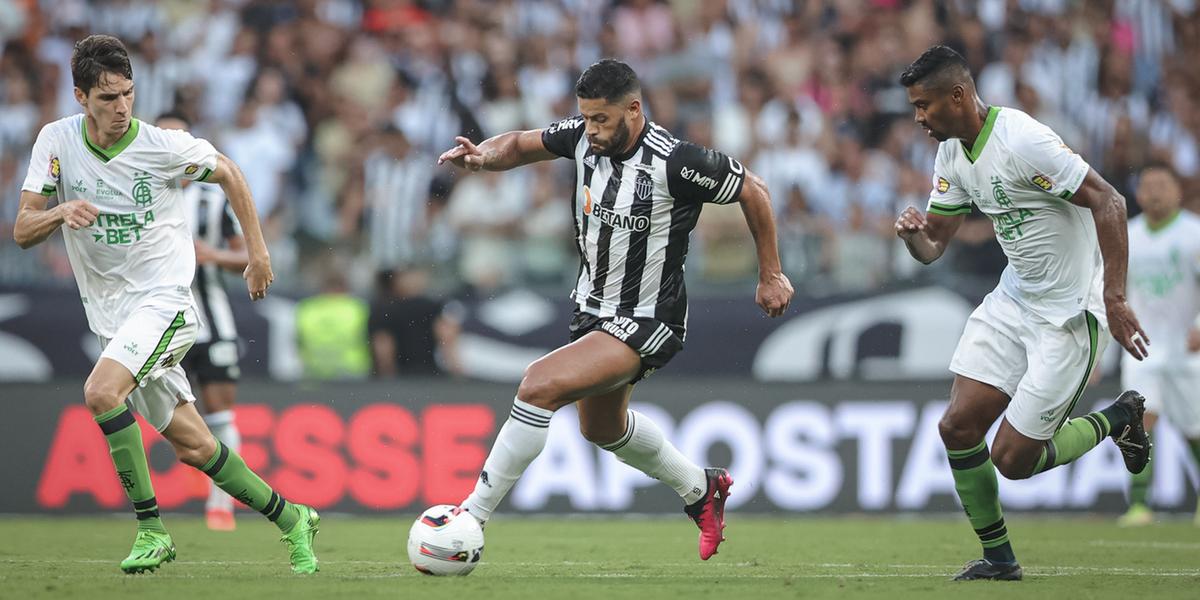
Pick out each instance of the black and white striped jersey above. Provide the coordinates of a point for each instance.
(212, 221)
(633, 217)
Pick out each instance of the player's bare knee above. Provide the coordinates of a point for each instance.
(540, 389)
(100, 398)
(956, 434)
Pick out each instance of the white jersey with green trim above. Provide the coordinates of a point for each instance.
(139, 251)
(1164, 286)
(1021, 175)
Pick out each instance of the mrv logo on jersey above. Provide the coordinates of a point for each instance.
(698, 179)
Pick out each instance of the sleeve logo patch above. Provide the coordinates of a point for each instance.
(55, 168)
(1043, 182)
(191, 170)
(943, 186)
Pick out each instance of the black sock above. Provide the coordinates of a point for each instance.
(1000, 554)
(1118, 417)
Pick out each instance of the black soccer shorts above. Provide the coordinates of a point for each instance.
(654, 341)
(213, 362)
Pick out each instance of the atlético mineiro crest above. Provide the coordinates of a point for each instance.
(643, 186)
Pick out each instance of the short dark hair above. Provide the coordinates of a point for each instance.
(1161, 165)
(609, 79)
(176, 114)
(937, 67)
(95, 55)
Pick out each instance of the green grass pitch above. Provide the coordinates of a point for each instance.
(577, 558)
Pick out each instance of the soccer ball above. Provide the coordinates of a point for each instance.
(445, 540)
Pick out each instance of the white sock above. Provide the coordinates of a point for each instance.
(644, 448)
(224, 428)
(520, 440)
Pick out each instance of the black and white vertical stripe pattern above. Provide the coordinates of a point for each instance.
(630, 231)
(530, 415)
(396, 195)
(212, 222)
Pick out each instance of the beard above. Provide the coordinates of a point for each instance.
(619, 139)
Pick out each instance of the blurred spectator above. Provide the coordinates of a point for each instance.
(331, 331)
(313, 99)
(411, 332)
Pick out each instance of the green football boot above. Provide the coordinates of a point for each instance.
(1138, 515)
(300, 541)
(150, 550)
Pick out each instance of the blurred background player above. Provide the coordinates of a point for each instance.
(213, 360)
(1164, 287)
(127, 236)
(413, 334)
(638, 196)
(1029, 349)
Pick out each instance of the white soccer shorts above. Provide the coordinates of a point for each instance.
(150, 344)
(1043, 368)
(1170, 391)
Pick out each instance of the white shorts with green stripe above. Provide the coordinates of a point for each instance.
(1042, 367)
(150, 344)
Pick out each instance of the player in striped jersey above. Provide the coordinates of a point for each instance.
(213, 360)
(638, 196)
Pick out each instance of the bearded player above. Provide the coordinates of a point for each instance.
(638, 194)
(1029, 348)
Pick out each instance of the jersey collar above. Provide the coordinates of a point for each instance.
(107, 154)
(638, 144)
(1165, 224)
(982, 139)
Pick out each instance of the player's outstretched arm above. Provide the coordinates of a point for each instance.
(499, 153)
(1108, 211)
(926, 236)
(774, 291)
(35, 222)
(258, 273)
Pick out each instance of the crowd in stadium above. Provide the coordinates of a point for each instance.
(336, 110)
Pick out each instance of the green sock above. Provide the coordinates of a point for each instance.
(129, 458)
(1139, 483)
(231, 474)
(1074, 440)
(975, 481)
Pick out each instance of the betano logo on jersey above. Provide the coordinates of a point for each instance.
(693, 176)
(612, 218)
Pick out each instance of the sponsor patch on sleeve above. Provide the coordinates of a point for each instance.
(55, 168)
(191, 169)
(943, 186)
(1043, 182)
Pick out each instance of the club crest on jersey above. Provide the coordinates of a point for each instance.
(643, 186)
(1042, 181)
(943, 186)
(141, 189)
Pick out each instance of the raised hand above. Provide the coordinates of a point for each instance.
(910, 223)
(465, 155)
(78, 214)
